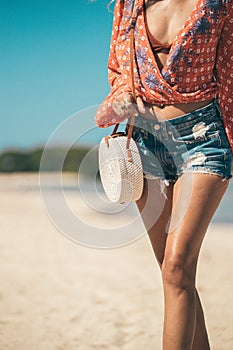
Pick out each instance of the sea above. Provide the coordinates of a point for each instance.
(224, 213)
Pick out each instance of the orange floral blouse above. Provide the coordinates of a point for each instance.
(199, 66)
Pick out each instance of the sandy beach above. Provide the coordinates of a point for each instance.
(58, 295)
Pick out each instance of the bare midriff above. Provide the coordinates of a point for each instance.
(161, 112)
(163, 21)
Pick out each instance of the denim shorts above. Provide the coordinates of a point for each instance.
(194, 142)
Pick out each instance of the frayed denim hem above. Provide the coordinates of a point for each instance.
(205, 171)
(164, 183)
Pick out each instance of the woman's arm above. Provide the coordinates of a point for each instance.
(110, 111)
(224, 67)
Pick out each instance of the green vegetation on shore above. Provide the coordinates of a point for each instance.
(19, 161)
(29, 161)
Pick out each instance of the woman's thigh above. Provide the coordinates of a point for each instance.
(155, 207)
(196, 197)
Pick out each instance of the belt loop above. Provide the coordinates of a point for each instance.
(217, 106)
(164, 130)
(145, 128)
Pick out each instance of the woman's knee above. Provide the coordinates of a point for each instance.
(179, 272)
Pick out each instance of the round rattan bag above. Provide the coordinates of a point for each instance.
(121, 175)
(120, 163)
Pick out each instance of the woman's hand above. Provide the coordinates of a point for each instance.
(123, 105)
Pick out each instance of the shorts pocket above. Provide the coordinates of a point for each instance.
(136, 134)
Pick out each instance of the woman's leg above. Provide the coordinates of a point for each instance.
(188, 225)
(157, 231)
(200, 337)
(155, 209)
(158, 235)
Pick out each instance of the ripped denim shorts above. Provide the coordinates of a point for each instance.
(194, 142)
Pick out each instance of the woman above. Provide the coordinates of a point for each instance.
(184, 129)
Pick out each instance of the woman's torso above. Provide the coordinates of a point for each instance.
(164, 18)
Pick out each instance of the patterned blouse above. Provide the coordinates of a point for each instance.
(199, 66)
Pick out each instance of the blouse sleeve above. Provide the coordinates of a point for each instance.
(224, 68)
(105, 115)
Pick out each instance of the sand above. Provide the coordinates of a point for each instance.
(58, 295)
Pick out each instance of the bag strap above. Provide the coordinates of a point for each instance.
(132, 37)
(132, 119)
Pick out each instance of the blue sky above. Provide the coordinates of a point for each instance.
(53, 64)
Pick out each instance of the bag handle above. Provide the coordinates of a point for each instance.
(130, 131)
